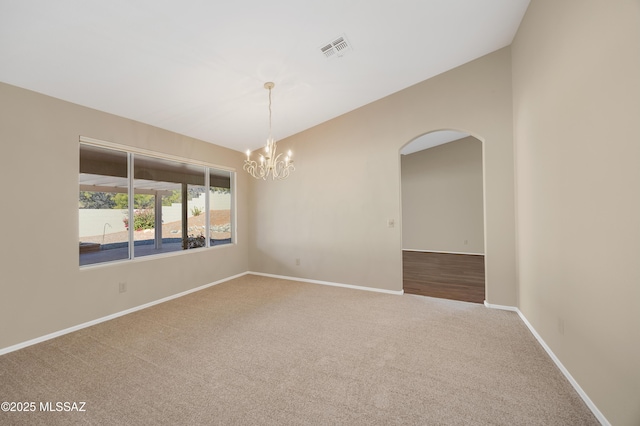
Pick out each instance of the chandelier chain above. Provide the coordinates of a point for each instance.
(270, 135)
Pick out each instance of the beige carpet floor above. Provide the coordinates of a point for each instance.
(258, 350)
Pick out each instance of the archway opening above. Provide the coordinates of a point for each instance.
(443, 231)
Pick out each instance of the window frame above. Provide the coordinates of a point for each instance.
(208, 169)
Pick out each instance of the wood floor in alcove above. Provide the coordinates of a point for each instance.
(444, 275)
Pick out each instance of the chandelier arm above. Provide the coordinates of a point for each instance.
(281, 168)
(255, 170)
(285, 172)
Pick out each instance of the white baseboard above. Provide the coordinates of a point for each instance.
(444, 252)
(500, 307)
(110, 317)
(601, 418)
(355, 287)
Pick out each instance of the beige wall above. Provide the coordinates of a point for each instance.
(576, 84)
(333, 213)
(442, 207)
(42, 288)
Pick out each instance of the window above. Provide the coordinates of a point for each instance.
(177, 205)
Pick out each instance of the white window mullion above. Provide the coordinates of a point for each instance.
(131, 195)
(207, 198)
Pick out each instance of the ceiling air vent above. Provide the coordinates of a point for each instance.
(336, 48)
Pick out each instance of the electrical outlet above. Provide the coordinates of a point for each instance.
(122, 287)
(466, 242)
(298, 261)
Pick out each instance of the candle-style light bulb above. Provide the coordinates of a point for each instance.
(248, 154)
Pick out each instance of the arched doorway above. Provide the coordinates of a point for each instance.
(443, 216)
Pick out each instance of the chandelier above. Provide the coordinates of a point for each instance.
(271, 163)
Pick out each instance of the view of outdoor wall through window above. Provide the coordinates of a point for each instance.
(176, 205)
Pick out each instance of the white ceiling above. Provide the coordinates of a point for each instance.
(197, 67)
